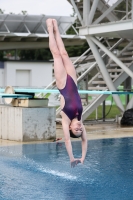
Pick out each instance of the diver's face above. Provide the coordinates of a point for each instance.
(76, 127)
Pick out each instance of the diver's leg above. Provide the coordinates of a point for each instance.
(59, 69)
(70, 69)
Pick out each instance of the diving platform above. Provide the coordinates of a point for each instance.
(24, 118)
(27, 124)
(30, 31)
(117, 29)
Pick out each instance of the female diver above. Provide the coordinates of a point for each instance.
(66, 82)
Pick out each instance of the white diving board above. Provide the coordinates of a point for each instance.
(80, 91)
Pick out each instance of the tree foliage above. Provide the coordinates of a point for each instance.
(2, 11)
(45, 54)
(36, 54)
(121, 10)
(1, 55)
(74, 51)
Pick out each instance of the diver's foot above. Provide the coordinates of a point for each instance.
(55, 24)
(49, 23)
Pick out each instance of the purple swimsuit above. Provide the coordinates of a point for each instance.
(73, 107)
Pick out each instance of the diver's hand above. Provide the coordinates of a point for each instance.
(75, 162)
(81, 160)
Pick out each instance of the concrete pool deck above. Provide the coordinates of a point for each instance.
(94, 131)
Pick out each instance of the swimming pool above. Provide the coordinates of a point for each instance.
(42, 171)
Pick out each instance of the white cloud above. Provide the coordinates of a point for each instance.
(47, 7)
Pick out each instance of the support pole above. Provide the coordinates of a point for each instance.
(16, 54)
(92, 11)
(77, 11)
(96, 113)
(86, 11)
(86, 81)
(126, 9)
(113, 57)
(127, 87)
(132, 10)
(103, 111)
(111, 8)
(130, 104)
(104, 71)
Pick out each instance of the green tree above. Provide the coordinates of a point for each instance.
(74, 51)
(1, 55)
(24, 12)
(121, 9)
(36, 54)
(2, 11)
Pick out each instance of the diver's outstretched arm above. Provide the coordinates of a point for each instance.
(65, 127)
(84, 145)
(68, 144)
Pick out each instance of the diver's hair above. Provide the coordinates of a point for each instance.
(72, 135)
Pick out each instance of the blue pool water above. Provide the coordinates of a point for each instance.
(42, 171)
